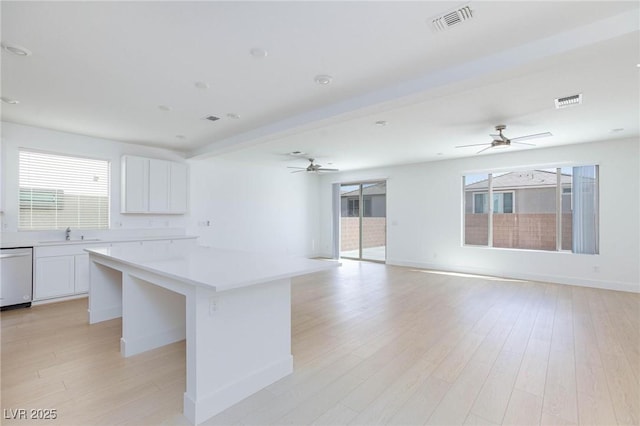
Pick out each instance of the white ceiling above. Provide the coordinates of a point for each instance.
(103, 68)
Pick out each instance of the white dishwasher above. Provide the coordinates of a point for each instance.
(16, 284)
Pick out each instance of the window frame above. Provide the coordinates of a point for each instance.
(559, 195)
(109, 164)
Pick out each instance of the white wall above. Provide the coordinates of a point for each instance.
(254, 208)
(424, 216)
(15, 136)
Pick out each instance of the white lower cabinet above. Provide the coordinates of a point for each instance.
(55, 277)
(63, 270)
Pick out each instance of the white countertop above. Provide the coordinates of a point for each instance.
(61, 242)
(217, 268)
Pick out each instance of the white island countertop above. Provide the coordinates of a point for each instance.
(211, 267)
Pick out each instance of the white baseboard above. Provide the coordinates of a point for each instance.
(210, 405)
(104, 314)
(59, 299)
(135, 346)
(555, 279)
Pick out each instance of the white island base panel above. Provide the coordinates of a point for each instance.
(238, 341)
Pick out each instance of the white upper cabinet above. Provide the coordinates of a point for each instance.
(178, 187)
(159, 186)
(135, 184)
(153, 186)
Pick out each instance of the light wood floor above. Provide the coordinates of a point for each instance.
(372, 344)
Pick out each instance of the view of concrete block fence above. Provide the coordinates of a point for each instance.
(373, 235)
(535, 231)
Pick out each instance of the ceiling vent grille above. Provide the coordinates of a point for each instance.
(455, 17)
(568, 101)
(212, 118)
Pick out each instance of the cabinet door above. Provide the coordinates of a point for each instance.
(135, 185)
(178, 188)
(159, 186)
(54, 277)
(81, 273)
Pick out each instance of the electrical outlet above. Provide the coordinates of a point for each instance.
(213, 305)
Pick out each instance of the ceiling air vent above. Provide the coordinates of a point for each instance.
(568, 101)
(212, 118)
(448, 20)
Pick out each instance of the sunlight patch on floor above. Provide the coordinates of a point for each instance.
(460, 274)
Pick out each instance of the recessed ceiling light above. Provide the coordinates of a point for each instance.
(618, 129)
(164, 108)
(202, 85)
(257, 52)
(233, 115)
(16, 50)
(297, 153)
(381, 123)
(181, 137)
(439, 153)
(323, 79)
(9, 101)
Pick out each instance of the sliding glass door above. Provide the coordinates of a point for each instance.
(363, 221)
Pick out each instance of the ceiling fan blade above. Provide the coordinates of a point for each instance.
(537, 135)
(292, 167)
(328, 170)
(298, 171)
(475, 144)
(484, 149)
(524, 143)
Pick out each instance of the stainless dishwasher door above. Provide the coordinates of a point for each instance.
(16, 285)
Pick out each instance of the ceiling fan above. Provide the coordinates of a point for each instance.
(312, 167)
(501, 140)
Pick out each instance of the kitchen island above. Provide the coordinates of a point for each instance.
(232, 307)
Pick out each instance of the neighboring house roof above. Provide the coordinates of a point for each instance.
(529, 178)
(379, 188)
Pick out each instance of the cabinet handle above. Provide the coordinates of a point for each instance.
(5, 256)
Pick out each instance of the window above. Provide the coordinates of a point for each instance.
(502, 202)
(354, 207)
(557, 209)
(58, 191)
(367, 203)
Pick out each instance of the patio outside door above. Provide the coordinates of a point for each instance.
(363, 221)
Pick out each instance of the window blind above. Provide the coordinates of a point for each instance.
(59, 191)
(585, 209)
